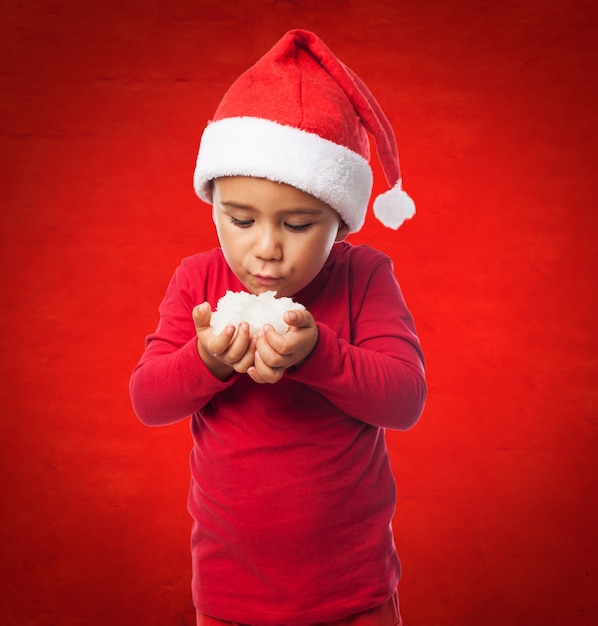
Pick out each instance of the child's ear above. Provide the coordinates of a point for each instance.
(343, 231)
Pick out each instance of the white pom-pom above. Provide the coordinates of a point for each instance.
(236, 307)
(393, 207)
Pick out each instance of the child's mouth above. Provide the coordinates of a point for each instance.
(266, 280)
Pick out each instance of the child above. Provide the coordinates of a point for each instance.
(291, 492)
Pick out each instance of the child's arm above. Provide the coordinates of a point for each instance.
(377, 377)
(173, 379)
(378, 388)
(171, 382)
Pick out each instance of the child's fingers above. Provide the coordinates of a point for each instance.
(291, 348)
(219, 344)
(247, 360)
(235, 346)
(253, 374)
(262, 373)
(271, 346)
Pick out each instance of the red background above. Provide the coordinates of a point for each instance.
(494, 106)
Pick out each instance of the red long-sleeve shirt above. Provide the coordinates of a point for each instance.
(291, 488)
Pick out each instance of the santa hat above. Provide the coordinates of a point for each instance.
(300, 116)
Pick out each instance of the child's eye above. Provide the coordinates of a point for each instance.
(298, 228)
(240, 223)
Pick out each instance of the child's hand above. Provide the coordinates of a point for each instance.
(274, 353)
(226, 352)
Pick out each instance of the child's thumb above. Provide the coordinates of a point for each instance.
(298, 318)
(202, 314)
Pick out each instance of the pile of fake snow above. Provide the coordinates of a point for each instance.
(236, 307)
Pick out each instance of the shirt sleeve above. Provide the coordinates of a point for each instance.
(377, 375)
(171, 382)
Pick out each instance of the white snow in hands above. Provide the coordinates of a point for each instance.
(236, 307)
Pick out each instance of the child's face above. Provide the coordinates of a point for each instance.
(273, 236)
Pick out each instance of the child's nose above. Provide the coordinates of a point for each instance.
(268, 245)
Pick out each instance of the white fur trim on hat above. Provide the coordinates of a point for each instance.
(251, 146)
(394, 206)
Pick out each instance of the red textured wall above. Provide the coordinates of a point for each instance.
(101, 109)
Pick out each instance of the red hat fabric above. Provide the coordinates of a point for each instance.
(300, 116)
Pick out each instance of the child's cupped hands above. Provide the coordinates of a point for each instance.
(264, 357)
(274, 353)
